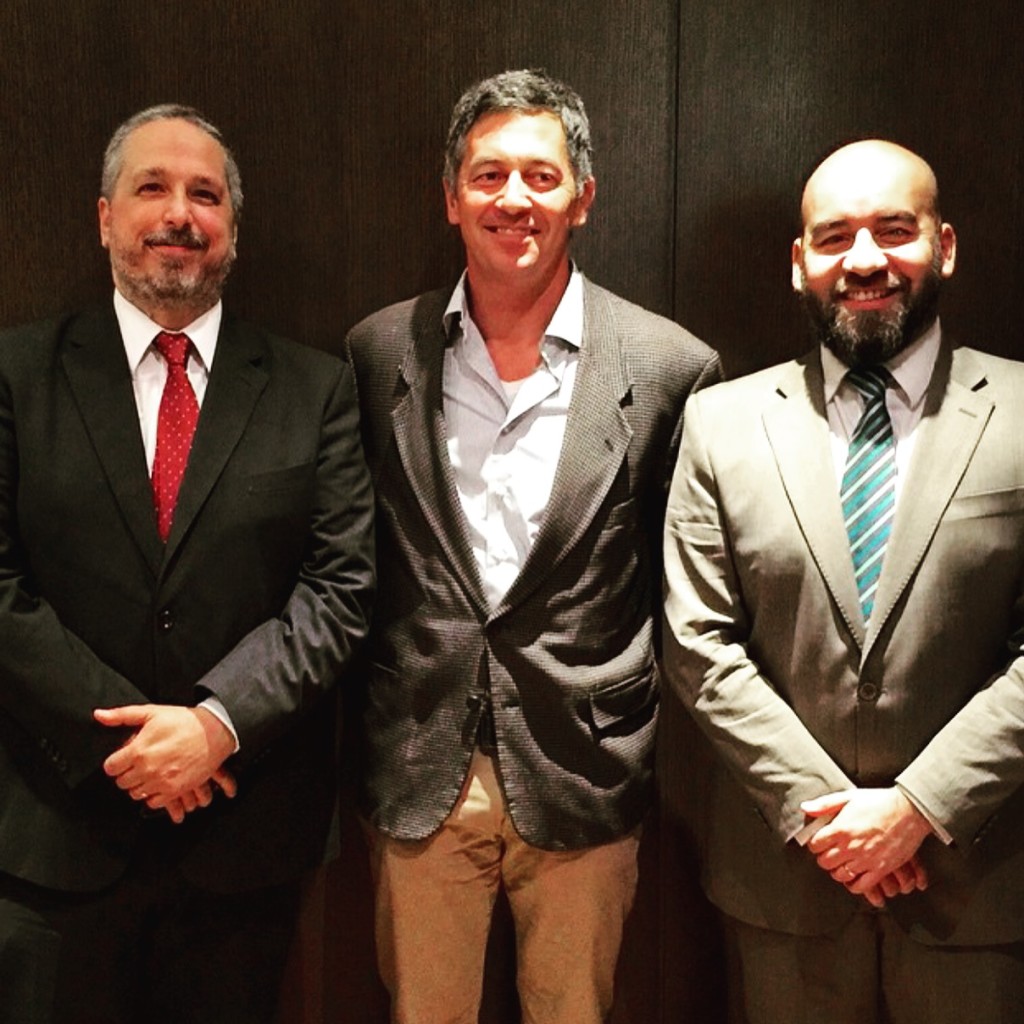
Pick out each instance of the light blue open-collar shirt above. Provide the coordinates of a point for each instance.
(505, 437)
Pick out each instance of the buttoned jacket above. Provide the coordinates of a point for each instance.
(766, 643)
(259, 597)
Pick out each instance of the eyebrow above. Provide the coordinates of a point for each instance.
(157, 171)
(898, 217)
(529, 161)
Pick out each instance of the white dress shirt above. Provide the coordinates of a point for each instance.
(149, 369)
(912, 371)
(149, 372)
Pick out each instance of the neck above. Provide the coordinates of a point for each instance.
(513, 318)
(173, 317)
(171, 321)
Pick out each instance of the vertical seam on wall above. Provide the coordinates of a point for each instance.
(676, 136)
(663, 966)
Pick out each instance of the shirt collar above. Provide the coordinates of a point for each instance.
(138, 331)
(566, 323)
(911, 368)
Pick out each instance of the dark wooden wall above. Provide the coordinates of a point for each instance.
(706, 117)
(766, 89)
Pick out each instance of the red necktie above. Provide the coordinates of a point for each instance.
(176, 423)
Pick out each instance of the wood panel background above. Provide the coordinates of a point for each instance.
(706, 117)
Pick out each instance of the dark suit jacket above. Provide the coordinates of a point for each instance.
(259, 596)
(567, 658)
(767, 644)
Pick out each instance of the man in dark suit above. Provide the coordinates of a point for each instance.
(845, 560)
(519, 431)
(166, 644)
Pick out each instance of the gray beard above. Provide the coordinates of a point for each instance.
(170, 288)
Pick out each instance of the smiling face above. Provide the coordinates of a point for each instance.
(516, 200)
(169, 223)
(872, 255)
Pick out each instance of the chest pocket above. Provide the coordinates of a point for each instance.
(1007, 502)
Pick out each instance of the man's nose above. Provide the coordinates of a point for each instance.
(864, 256)
(177, 208)
(515, 195)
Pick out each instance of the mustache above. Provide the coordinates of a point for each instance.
(883, 279)
(185, 237)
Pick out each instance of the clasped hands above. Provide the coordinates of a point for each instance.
(870, 844)
(173, 760)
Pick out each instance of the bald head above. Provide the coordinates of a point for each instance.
(862, 176)
(873, 251)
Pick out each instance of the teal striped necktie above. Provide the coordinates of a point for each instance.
(868, 492)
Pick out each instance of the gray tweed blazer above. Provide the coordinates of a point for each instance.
(567, 659)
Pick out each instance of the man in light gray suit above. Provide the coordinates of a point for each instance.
(845, 564)
(520, 431)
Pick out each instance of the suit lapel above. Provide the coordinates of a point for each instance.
(100, 380)
(954, 418)
(798, 433)
(419, 430)
(237, 379)
(596, 438)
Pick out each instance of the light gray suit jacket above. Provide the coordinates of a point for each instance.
(567, 657)
(766, 644)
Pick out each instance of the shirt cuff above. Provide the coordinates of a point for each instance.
(803, 837)
(217, 709)
(936, 825)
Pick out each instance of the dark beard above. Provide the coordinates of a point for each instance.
(873, 337)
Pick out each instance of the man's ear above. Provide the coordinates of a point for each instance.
(947, 245)
(451, 203)
(583, 202)
(796, 256)
(103, 209)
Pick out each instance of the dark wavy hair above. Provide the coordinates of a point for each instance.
(527, 90)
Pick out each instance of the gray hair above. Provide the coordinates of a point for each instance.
(529, 90)
(113, 157)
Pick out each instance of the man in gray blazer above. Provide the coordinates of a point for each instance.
(520, 432)
(159, 654)
(845, 563)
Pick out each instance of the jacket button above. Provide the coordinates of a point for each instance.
(165, 620)
(868, 692)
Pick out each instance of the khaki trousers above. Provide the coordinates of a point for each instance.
(434, 901)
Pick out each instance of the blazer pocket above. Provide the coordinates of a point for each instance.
(624, 512)
(616, 705)
(1007, 502)
(290, 479)
(385, 672)
(388, 700)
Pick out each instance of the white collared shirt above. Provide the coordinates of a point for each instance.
(148, 367)
(912, 372)
(505, 437)
(149, 373)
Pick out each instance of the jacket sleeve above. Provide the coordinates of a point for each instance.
(976, 761)
(50, 680)
(706, 658)
(283, 665)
